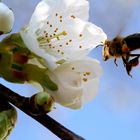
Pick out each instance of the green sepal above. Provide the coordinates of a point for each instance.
(17, 67)
(39, 75)
(15, 42)
(6, 68)
(20, 73)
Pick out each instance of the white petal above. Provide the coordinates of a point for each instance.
(66, 8)
(6, 18)
(77, 104)
(84, 37)
(81, 37)
(91, 88)
(69, 36)
(31, 42)
(73, 91)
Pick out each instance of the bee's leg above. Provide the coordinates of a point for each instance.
(115, 61)
(125, 61)
(128, 69)
(134, 62)
(130, 64)
(127, 65)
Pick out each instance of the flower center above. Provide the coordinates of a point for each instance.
(45, 39)
(84, 75)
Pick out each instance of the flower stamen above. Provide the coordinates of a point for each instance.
(72, 16)
(85, 79)
(44, 39)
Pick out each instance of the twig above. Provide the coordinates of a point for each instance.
(23, 104)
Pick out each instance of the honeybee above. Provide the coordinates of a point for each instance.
(122, 47)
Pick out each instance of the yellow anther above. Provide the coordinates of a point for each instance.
(88, 73)
(72, 16)
(85, 79)
(80, 35)
(73, 68)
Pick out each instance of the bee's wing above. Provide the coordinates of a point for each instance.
(112, 15)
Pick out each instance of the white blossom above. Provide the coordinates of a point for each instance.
(59, 29)
(77, 81)
(6, 19)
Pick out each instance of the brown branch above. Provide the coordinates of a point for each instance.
(23, 104)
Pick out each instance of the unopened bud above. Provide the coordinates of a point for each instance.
(7, 122)
(6, 19)
(43, 102)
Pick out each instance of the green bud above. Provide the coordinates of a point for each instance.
(43, 102)
(7, 122)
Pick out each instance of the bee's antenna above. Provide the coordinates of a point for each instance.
(100, 45)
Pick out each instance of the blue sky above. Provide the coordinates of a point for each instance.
(114, 114)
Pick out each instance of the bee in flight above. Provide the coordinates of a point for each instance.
(122, 47)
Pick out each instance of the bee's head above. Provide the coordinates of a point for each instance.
(112, 48)
(105, 51)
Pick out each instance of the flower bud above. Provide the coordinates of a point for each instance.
(45, 101)
(6, 19)
(8, 119)
(42, 102)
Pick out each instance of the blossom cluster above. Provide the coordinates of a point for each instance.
(59, 32)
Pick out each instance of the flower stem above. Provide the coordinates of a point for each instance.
(23, 103)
